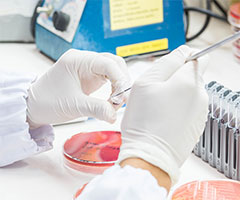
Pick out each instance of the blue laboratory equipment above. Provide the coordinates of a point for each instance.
(128, 28)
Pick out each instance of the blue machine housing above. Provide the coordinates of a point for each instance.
(94, 32)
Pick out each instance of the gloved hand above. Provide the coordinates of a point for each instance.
(62, 94)
(166, 112)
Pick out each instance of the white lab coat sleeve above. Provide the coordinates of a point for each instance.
(16, 141)
(127, 183)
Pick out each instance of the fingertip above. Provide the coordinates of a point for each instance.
(98, 108)
(119, 61)
(112, 121)
(116, 58)
(110, 114)
(177, 57)
(107, 112)
(166, 66)
(184, 50)
(107, 67)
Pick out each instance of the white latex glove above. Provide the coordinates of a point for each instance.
(62, 94)
(166, 112)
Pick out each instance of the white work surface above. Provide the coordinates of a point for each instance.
(44, 176)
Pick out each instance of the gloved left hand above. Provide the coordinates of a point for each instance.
(62, 94)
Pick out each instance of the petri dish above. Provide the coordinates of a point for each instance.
(208, 190)
(201, 190)
(234, 20)
(79, 192)
(92, 152)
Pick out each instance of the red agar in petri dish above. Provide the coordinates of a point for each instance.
(92, 152)
(234, 19)
(79, 191)
(208, 190)
(201, 190)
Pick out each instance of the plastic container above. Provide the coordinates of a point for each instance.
(79, 192)
(201, 190)
(92, 152)
(234, 20)
(208, 190)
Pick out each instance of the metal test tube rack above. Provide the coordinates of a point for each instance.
(220, 143)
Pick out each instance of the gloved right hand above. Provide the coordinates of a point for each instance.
(166, 112)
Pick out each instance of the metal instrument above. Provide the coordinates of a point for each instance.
(214, 46)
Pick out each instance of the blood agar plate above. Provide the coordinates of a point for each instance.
(208, 190)
(79, 191)
(92, 152)
(234, 20)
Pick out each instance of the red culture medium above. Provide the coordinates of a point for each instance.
(92, 152)
(208, 190)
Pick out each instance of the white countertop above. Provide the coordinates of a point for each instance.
(44, 176)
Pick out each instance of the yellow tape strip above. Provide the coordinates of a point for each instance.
(144, 47)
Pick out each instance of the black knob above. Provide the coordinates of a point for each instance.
(60, 20)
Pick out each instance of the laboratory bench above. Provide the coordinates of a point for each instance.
(44, 176)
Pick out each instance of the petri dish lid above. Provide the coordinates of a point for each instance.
(235, 10)
(79, 191)
(208, 190)
(92, 152)
(201, 190)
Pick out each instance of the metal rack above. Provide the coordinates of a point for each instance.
(220, 143)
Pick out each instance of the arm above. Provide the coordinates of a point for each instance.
(164, 118)
(166, 113)
(28, 106)
(16, 141)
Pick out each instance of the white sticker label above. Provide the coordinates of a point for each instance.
(73, 8)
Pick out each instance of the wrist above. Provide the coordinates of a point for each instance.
(161, 176)
(159, 154)
(31, 124)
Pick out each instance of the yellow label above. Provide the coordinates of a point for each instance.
(132, 13)
(144, 47)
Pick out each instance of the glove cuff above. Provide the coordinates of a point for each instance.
(156, 156)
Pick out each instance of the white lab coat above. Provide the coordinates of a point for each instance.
(126, 183)
(18, 142)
